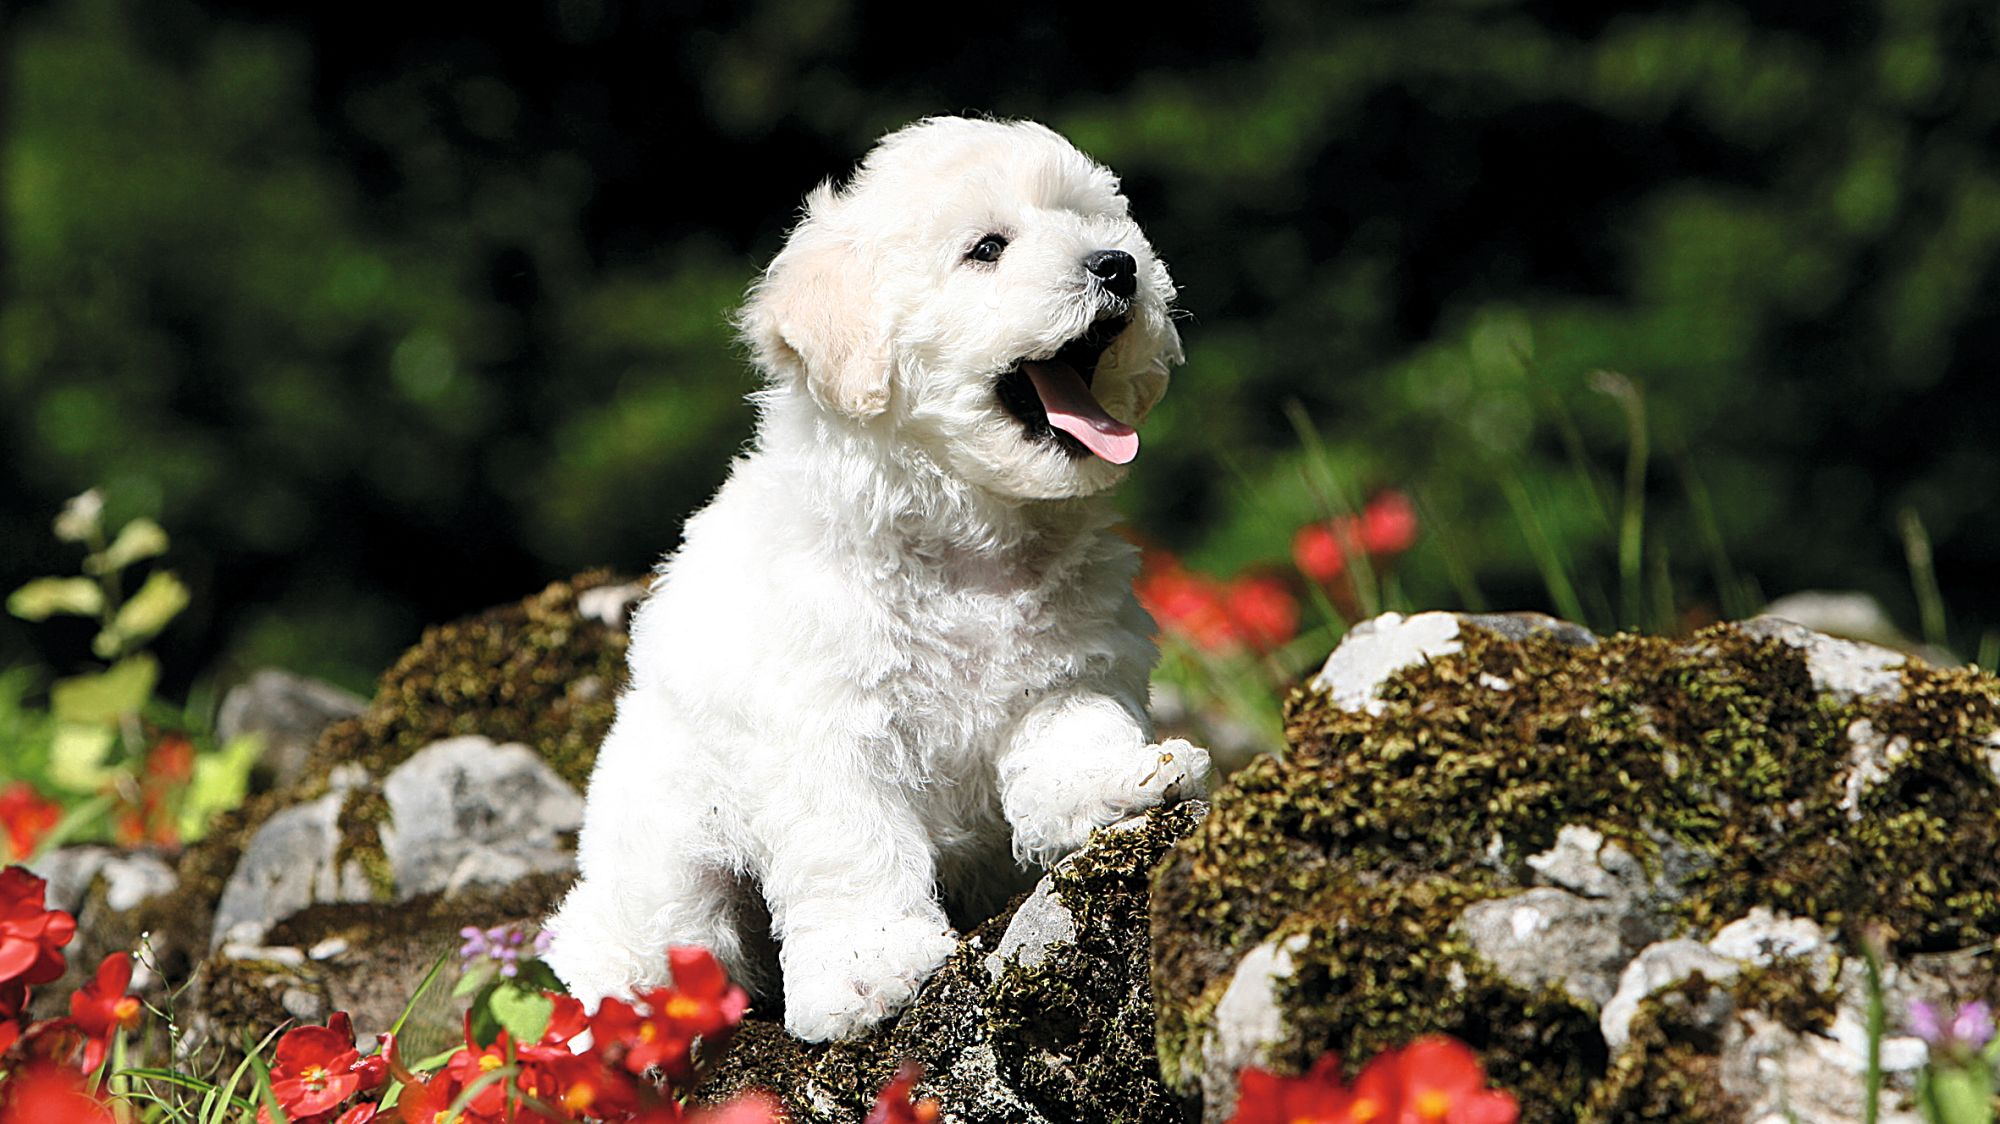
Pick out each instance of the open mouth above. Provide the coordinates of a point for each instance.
(1051, 397)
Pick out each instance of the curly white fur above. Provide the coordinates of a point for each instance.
(901, 641)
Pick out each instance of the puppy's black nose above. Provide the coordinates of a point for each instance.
(1115, 270)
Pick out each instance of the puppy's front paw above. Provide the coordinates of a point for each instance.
(1052, 819)
(1180, 772)
(842, 980)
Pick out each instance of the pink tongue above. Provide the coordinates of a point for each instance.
(1074, 410)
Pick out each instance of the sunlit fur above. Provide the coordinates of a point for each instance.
(899, 650)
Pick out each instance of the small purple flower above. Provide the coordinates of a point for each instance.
(1971, 1025)
(475, 943)
(502, 944)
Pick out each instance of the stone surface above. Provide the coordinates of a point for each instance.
(1043, 1016)
(1630, 871)
(1249, 1021)
(1376, 649)
(1040, 921)
(130, 877)
(1552, 938)
(289, 712)
(1845, 669)
(466, 811)
(293, 861)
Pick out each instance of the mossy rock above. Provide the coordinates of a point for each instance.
(544, 672)
(1043, 1016)
(1752, 773)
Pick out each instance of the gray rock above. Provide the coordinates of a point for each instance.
(1544, 936)
(1764, 938)
(1848, 614)
(1845, 669)
(1660, 966)
(1378, 648)
(1582, 862)
(1249, 1020)
(1522, 626)
(293, 861)
(129, 877)
(289, 712)
(466, 811)
(1042, 920)
(1784, 1077)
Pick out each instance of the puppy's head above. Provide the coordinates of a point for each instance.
(980, 289)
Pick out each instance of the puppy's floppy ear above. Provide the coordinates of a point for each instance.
(814, 316)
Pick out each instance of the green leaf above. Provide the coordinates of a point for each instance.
(77, 755)
(476, 977)
(221, 780)
(105, 697)
(45, 597)
(137, 541)
(159, 601)
(523, 1011)
(1961, 1094)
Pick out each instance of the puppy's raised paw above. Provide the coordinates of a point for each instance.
(841, 980)
(1180, 771)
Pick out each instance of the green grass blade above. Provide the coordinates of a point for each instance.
(430, 978)
(1631, 399)
(1923, 576)
(1339, 501)
(1555, 576)
(1989, 651)
(1470, 597)
(1733, 595)
(1878, 1022)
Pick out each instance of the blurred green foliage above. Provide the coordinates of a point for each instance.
(392, 317)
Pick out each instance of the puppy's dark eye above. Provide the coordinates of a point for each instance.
(988, 249)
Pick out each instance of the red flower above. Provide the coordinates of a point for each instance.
(1262, 612)
(1319, 1097)
(1437, 1080)
(661, 1028)
(576, 1084)
(1187, 603)
(28, 818)
(31, 937)
(101, 1007)
(895, 1104)
(1388, 525)
(1434, 1080)
(359, 1114)
(43, 1094)
(171, 760)
(316, 1069)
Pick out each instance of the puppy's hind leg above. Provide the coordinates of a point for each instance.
(654, 872)
(611, 938)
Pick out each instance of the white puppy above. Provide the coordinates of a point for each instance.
(903, 635)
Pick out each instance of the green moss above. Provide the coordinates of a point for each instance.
(1670, 1071)
(1076, 1029)
(1072, 1035)
(535, 672)
(362, 815)
(1717, 747)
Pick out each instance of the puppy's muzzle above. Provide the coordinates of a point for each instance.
(1114, 271)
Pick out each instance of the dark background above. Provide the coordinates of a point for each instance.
(389, 315)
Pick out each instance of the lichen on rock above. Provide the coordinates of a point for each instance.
(1410, 826)
(1059, 1028)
